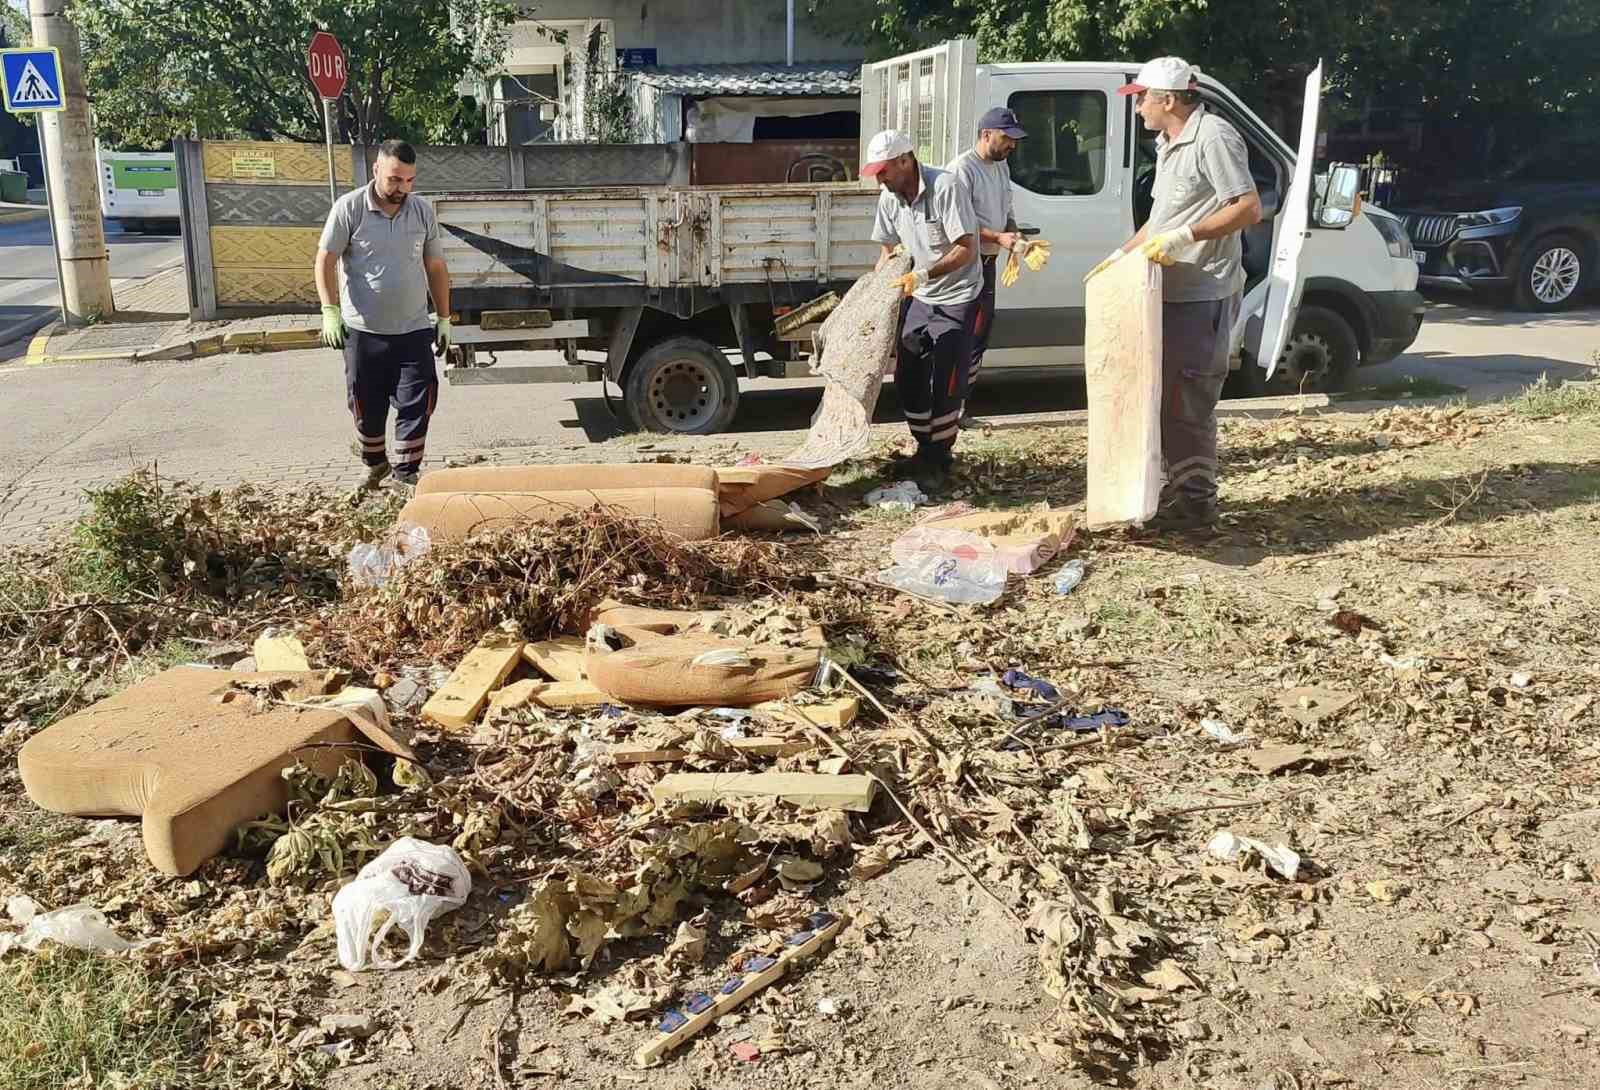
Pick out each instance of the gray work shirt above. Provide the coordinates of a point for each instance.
(927, 227)
(384, 288)
(990, 186)
(1203, 169)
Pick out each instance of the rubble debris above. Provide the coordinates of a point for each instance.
(456, 706)
(1309, 705)
(1274, 759)
(805, 789)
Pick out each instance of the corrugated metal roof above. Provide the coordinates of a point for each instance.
(842, 78)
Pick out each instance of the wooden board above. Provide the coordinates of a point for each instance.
(838, 712)
(280, 653)
(560, 659)
(1122, 370)
(807, 789)
(456, 706)
(724, 1001)
(759, 746)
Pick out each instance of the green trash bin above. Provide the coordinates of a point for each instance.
(13, 187)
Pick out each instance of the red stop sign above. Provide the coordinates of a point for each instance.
(325, 64)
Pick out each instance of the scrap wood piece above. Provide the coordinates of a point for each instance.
(736, 991)
(810, 789)
(274, 653)
(1273, 759)
(838, 712)
(553, 695)
(758, 746)
(560, 659)
(456, 706)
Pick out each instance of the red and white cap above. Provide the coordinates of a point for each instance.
(884, 149)
(1162, 74)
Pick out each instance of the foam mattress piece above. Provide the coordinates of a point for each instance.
(690, 513)
(1122, 372)
(1024, 541)
(565, 478)
(740, 488)
(192, 768)
(661, 672)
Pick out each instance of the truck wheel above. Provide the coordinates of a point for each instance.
(683, 385)
(1553, 273)
(1321, 356)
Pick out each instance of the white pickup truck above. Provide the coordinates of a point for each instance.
(654, 288)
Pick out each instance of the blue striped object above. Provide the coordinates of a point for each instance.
(732, 986)
(756, 964)
(672, 1020)
(698, 1002)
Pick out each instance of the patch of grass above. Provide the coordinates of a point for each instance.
(125, 542)
(30, 834)
(1411, 387)
(68, 1018)
(1541, 401)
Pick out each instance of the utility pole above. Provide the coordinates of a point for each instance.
(66, 140)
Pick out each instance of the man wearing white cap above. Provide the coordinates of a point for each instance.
(1204, 197)
(929, 213)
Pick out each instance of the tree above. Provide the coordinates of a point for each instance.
(16, 26)
(159, 69)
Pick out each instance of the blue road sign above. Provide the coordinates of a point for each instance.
(32, 80)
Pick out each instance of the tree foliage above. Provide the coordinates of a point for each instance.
(159, 69)
(1475, 61)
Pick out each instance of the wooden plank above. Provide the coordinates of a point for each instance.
(836, 713)
(456, 706)
(515, 695)
(570, 694)
(560, 659)
(766, 745)
(650, 1054)
(1122, 370)
(280, 653)
(807, 789)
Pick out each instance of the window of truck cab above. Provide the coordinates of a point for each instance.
(1064, 154)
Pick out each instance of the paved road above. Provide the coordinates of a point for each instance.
(28, 289)
(280, 418)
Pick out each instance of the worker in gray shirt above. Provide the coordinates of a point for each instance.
(929, 213)
(386, 244)
(986, 175)
(1204, 198)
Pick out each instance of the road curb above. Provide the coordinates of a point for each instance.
(249, 341)
(11, 215)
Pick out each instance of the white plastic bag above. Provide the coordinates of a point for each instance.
(1228, 846)
(371, 564)
(955, 565)
(409, 884)
(82, 927)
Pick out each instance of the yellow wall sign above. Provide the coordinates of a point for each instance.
(254, 164)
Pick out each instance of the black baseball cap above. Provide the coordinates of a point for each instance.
(1003, 119)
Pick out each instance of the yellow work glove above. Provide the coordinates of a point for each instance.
(912, 282)
(1103, 266)
(441, 335)
(332, 326)
(1012, 271)
(1164, 247)
(1036, 254)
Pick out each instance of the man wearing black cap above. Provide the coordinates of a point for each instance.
(984, 173)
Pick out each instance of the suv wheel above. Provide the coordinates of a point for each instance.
(1553, 273)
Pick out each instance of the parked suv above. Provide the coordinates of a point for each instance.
(1534, 229)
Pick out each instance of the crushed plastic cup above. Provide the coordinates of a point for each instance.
(407, 886)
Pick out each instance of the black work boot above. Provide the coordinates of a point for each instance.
(1183, 513)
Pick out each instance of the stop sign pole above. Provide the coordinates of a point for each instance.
(325, 65)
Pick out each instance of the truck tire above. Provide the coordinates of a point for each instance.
(682, 385)
(1323, 350)
(1553, 273)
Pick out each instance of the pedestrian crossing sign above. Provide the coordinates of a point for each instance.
(31, 80)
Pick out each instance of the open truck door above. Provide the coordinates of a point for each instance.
(1268, 313)
(928, 95)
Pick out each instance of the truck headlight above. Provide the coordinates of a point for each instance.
(1394, 236)
(1491, 218)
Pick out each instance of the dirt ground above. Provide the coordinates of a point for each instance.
(1432, 574)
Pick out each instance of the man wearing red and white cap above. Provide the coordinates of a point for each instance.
(1204, 197)
(928, 212)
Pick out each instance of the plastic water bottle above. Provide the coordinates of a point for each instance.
(1070, 575)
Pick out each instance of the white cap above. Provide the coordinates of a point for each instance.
(1163, 74)
(884, 148)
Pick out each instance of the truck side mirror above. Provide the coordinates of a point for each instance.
(1341, 197)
